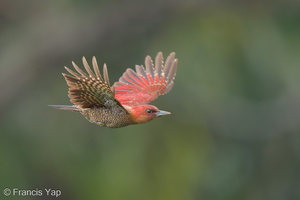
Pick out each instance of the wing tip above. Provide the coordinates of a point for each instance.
(105, 74)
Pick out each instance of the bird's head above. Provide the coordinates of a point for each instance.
(145, 113)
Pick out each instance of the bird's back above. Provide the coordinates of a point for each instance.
(112, 118)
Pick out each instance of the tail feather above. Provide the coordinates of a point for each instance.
(65, 107)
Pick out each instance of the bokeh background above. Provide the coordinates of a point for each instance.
(234, 132)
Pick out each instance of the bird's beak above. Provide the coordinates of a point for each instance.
(161, 113)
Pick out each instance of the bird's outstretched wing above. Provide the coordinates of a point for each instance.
(87, 91)
(146, 84)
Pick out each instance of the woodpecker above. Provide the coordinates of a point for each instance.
(127, 101)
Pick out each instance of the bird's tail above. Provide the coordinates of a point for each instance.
(65, 107)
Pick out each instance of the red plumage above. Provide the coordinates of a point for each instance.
(145, 85)
(127, 101)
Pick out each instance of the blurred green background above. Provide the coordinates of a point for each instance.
(234, 132)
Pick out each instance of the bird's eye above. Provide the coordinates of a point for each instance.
(149, 111)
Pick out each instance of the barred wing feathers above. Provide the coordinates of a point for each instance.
(145, 84)
(90, 90)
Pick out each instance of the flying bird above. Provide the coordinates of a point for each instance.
(127, 101)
